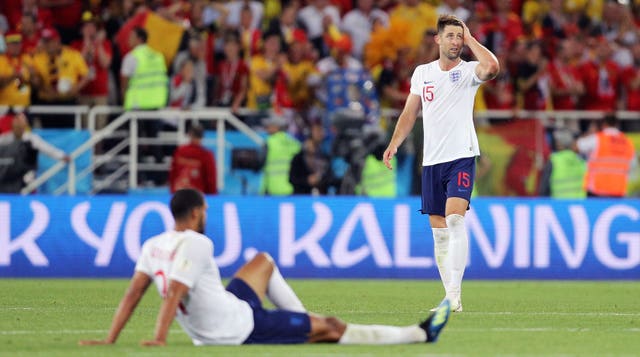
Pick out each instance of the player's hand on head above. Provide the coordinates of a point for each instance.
(153, 343)
(94, 342)
(466, 33)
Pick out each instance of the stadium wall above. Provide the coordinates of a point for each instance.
(328, 237)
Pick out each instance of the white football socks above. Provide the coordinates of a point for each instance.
(458, 252)
(382, 335)
(440, 249)
(281, 294)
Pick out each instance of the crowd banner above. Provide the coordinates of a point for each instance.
(326, 237)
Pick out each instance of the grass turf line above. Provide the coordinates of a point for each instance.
(46, 317)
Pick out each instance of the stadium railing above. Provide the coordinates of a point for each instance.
(130, 139)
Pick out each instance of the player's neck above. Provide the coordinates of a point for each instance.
(447, 64)
(182, 226)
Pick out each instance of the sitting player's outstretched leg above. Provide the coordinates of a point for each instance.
(331, 329)
(264, 277)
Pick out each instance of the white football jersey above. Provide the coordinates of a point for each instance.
(209, 313)
(447, 110)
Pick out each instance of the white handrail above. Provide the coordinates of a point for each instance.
(221, 115)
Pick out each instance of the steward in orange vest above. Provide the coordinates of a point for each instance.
(610, 158)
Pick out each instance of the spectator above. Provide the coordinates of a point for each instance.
(285, 25)
(418, 14)
(339, 62)
(453, 7)
(67, 17)
(358, 23)
(631, 80)
(204, 28)
(19, 155)
(143, 75)
(311, 171)
(263, 71)
(504, 28)
(292, 91)
(232, 76)
(62, 74)
(30, 34)
(532, 79)
(499, 93)
(563, 174)
(428, 49)
(96, 51)
(280, 150)
(43, 17)
(316, 18)
(250, 36)
(234, 8)
(395, 80)
(196, 54)
(565, 82)
(182, 92)
(610, 159)
(4, 28)
(16, 73)
(193, 166)
(601, 78)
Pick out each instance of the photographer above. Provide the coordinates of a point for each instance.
(311, 171)
(19, 155)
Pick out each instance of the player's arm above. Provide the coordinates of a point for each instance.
(404, 126)
(138, 286)
(175, 293)
(489, 66)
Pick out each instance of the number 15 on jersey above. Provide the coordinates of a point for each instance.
(427, 93)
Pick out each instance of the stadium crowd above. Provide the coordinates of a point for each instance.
(307, 61)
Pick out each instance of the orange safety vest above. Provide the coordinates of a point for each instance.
(609, 165)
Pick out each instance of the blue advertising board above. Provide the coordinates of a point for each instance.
(327, 237)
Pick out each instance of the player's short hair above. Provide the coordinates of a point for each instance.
(446, 20)
(184, 201)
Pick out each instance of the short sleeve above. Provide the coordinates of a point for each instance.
(143, 265)
(128, 66)
(190, 261)
(415, 82)
(472, 67)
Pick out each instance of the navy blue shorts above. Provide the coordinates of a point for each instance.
(448, 179)
(271, 326)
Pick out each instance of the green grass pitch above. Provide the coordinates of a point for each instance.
(47, 317)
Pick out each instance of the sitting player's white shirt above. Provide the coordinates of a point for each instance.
(447, 110)
(209, 313)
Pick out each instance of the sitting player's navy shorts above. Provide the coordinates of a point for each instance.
(448, 179)
(271, 326)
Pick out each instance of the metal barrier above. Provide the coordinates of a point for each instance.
(219, 115)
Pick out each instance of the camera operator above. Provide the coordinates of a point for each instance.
(359, 143)
(311, 171)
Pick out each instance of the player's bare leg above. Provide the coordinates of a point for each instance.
(263, 276)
